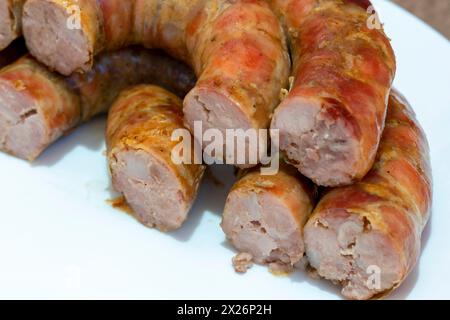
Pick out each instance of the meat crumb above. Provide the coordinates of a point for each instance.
(291, 83)
(283, 94)
(280, 269)
(265, 184)
(121, 204)
(19, 85)
(242, 262)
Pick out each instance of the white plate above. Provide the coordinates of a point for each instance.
(60, 239)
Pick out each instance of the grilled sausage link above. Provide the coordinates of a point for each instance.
(237, 49)
(139, 139)
(264, 217)
(367, 236)
(10, 21)
(38, 106)
(332, 120)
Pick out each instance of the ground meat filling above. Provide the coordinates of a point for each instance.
(150, 188)
(22, 128)
(320, 145)
(260, 226)
(344, 249)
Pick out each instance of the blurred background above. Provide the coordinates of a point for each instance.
(434, 12)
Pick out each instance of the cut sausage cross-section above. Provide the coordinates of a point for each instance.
(264, 217)
(10, 21)
(139, 139)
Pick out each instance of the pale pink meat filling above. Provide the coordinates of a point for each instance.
(343, 248)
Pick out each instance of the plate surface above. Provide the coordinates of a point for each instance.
(60, 239)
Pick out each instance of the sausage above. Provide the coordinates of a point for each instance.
(139, 129)
(246, 66)
(114, 71)
(10, 21)
(331, 122)
(264, 217)
(237, 49)
(38, 106)
(12, 53)
(374, 227)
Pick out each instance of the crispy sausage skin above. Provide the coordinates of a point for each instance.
(237, 49)
(375, 226)
(264, 217)
(10, 21)
(38, 106)
(139, 130)
(332, 120)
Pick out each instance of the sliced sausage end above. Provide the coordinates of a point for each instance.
(58, 36)
(7, 34)
(319, 144)
(262, 227)
(343, 248)
(218, 112)
(22, 128)
(152, 190)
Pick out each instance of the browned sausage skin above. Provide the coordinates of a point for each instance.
(373, 228)
(114, 71)
(139, 131)
(38, 106)
(264, 217)
(237, 49)
(10, 21)
(332, 120)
